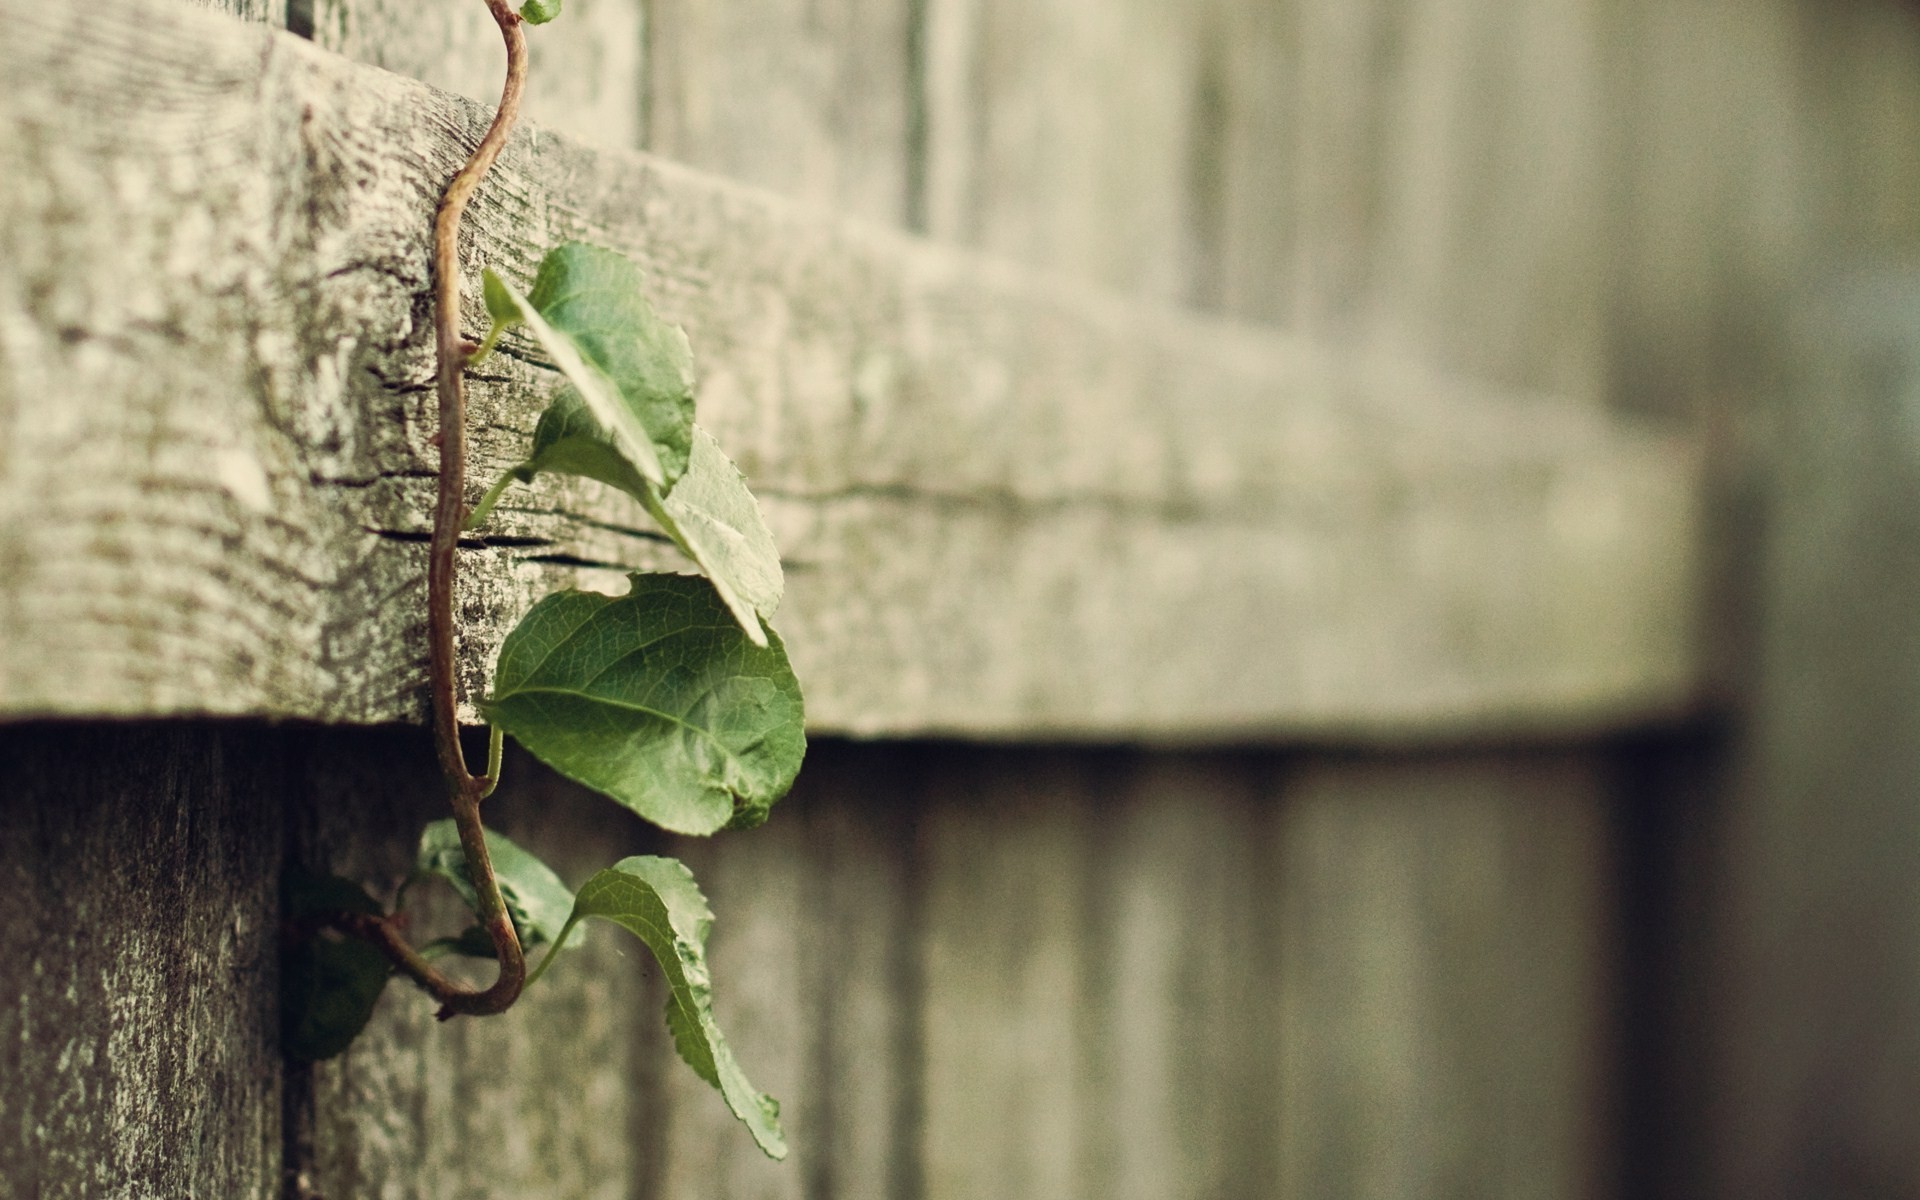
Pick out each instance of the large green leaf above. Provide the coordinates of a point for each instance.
(536, 899)
(656, 698)
(709, 513)
(657, 901)
(633, 371)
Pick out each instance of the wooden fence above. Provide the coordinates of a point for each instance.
(1270, 493)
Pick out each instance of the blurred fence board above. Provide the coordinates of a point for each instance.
(814, 100)
(1444, 980)
(1059, 134)
(1816, 980)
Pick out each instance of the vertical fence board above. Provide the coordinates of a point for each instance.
(1442, 981)
(1448, 184)
(586, 74)
(537, 1103)
(1061, 133)
(1247, 215)
(1178, 1082)
(810, 938)
(1817, 1004)
(810, 99)
(139, 1039)
(768, 950)
(1006, 848)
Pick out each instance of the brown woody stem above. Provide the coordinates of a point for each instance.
(465, 790)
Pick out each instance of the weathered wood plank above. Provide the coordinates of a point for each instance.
(1247, 184)
(808, 98)
(1097, 948)
(587, 77)
(542, 1102)
(1816, 977)
(1443, 980)
(1446, 184)
(271, 12)
(1005, 1049)
(139, 1031)
(1180, 941)
(1010, 505)
(1061, 134)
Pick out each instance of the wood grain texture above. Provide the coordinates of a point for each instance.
(1009, 505)
(269, 12)
(139, 1026)
(542, 1102)
(1443, 980)
(810, 99)
(587, 77)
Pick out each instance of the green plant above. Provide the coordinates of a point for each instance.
(675, 699)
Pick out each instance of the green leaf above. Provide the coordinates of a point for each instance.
(539, 12)
(633, 371)
(657, 901)
(709, 514)
(536, 899)
(712, 516)
(656, 698)
(328, 989)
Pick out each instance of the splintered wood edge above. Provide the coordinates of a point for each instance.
(1011, 506)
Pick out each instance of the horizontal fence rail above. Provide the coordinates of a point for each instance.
(1012, 505)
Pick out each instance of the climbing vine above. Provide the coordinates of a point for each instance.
(675, 699)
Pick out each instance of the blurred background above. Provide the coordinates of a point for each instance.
(1679, 957)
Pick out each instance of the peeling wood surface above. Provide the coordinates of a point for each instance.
(139, 1028)
(1011, 505)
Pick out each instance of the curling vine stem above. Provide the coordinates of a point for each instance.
(452, 352)
(464, 790)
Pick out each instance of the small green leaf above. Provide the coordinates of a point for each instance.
(539, 12)
(328, 989)
(655, 698)
(657, 900)
(536, 899)
(633, 371)
(709, 514)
